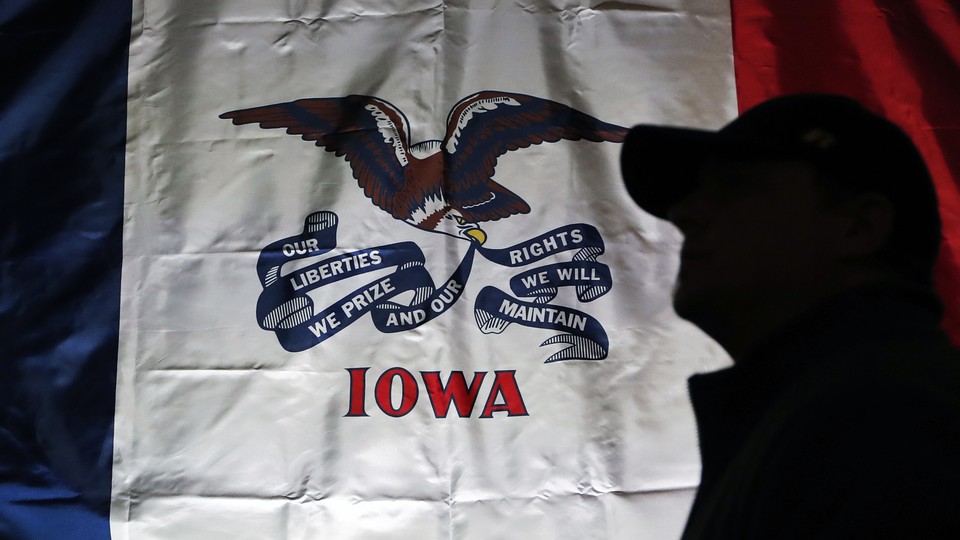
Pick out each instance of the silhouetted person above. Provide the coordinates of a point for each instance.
(810, 232)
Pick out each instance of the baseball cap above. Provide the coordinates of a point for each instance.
(851, 147)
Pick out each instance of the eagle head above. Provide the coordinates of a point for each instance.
(454, 224)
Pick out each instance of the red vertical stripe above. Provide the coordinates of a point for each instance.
(899, 57)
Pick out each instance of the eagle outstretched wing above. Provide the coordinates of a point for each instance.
(486, 125)
(370, 133)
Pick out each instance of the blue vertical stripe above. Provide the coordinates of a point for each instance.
(63, 87)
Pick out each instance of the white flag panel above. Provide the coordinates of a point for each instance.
(223, 432)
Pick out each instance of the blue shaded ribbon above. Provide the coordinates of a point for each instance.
(495, 310)
(286, 308)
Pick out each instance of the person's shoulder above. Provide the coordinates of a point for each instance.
(876, 441)
(914, 372)
(885, 393)
(898, 399)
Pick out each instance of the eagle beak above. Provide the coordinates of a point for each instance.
(478, 235)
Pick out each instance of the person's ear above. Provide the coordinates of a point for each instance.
(867, 227)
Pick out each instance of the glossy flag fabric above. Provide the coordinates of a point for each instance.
(381, 278)
(219, 321)
(63, 93)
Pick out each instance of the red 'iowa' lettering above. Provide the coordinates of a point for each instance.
(456, 390)
(409, 395)
(505, 384)
(358, 386)
(504, 395)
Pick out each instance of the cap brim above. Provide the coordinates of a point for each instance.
(660, 164)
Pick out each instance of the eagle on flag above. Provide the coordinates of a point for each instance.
(439, 186)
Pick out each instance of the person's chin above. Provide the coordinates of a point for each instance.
(697, 304)
(708, 309)
(683, 304)
(686, 301)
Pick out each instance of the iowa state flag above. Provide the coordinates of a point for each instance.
(365, 269)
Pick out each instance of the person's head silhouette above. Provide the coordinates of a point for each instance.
(810, 232)
(800, 198)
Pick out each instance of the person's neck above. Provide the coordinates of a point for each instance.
(753, 327)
